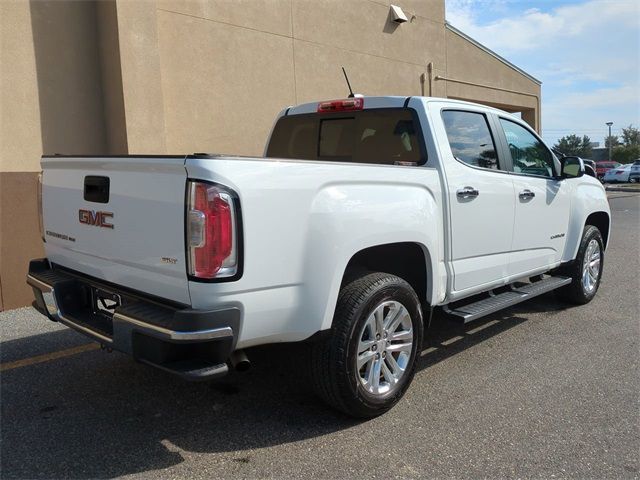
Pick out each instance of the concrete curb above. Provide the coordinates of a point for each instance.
(622, 189)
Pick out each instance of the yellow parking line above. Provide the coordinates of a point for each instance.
(451, 340)
(47, 357)
(482, 327)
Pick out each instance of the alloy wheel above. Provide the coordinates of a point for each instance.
(384, 348)
(591, 266)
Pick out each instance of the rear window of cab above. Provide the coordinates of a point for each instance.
(389, 136)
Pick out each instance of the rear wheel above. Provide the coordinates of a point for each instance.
(586, 270)
(364, 367)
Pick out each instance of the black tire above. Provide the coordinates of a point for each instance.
(576, 292)
(333, 360)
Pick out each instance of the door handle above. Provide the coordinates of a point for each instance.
(467, 192)
(526, 194)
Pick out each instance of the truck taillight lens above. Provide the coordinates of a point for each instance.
(211, 231)
(39, 200)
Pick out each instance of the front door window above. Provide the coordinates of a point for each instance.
(530, 156)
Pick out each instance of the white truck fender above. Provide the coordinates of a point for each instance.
(588, 199)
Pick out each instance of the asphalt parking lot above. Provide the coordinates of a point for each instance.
(539, 390)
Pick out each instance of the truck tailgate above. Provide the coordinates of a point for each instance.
(119, 219)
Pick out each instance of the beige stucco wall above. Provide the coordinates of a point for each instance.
(141, 76)
(205, 110)
(178, 76)
(51, 99)
(20, 139)
(227, 67)
(20, 148)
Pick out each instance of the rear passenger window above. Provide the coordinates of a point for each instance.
(470, 138)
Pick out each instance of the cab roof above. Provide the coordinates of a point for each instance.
(384, 102)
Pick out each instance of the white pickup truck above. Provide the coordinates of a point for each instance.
(363, 215)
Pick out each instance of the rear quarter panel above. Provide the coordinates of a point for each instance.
(302, 223)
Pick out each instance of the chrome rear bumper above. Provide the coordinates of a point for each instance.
(194, 344)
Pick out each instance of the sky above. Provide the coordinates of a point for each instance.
(585, 53)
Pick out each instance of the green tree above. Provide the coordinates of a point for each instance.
(574, 145)
(629, 149)
(626, 153)
(613, 140)
(630, 136)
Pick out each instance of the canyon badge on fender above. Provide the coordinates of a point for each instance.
(97, 219)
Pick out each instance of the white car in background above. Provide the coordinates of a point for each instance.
(634, 173)
(618, 175)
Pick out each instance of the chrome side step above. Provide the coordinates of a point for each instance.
(495, 302)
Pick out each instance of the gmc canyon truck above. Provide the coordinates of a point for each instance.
(363, 216)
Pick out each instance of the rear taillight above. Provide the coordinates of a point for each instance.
(39, 200)
(341, 105)
(211, 231)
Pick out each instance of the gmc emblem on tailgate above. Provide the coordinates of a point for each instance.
(98, 219)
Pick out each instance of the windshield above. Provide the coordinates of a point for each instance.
(384, 136)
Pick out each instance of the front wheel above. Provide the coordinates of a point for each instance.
(586, 270)
(368, 361)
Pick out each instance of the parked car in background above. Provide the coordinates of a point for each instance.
(618, 175)
(634, 174)
(603, 166)
(590, 167)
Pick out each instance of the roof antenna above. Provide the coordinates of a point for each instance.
(351, 95)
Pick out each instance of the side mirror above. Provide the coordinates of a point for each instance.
(571, 167)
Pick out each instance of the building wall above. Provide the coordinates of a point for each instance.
(53, 100)
(20, 148)
(178, 76)
(223, 69)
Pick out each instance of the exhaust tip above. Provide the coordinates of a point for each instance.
(239, 361)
